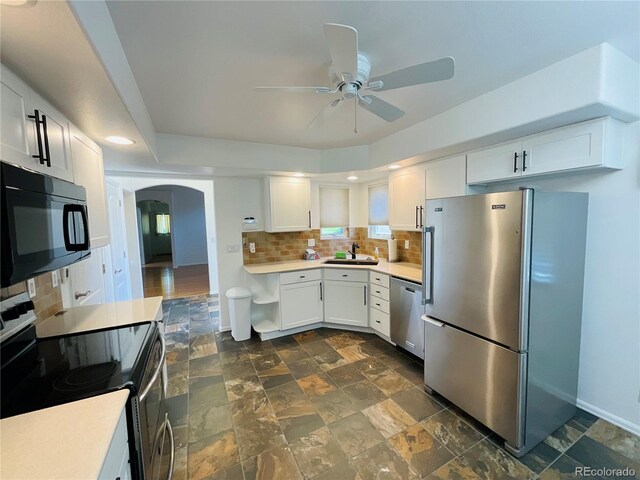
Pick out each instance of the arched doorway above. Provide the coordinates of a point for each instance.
(173, 241)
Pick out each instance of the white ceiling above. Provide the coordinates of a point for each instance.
(197, 62)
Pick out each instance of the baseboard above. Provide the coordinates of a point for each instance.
(609, 417)
(190, 264)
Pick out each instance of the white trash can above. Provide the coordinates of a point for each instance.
(240, 312)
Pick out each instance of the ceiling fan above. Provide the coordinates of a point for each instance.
(349, 73)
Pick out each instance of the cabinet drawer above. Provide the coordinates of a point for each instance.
(300, 276)
(380, 304)
(380, 321)
(345, 275)
(379, 279)
(380, 292)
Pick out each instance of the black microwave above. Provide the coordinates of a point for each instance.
(44, 224)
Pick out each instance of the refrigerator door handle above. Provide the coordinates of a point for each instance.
(432, 321)
(427, 286)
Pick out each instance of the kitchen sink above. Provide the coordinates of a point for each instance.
(349, 261)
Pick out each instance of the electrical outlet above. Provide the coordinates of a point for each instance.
(31, 286)
(233, 248)
(311, 242)
(252, 247)
(54, 278)
(406, 244)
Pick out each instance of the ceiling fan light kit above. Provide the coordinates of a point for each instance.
(349, 72)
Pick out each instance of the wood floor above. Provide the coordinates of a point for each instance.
(180, 282)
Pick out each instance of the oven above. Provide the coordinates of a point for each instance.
(151, 426)
(44, 224)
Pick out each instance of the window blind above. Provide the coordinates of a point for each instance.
(334, 207)
(379, 204)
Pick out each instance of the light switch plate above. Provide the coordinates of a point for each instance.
(311, 242)
(54, 278)
(252, 247)
(31, 286)
(406, 244)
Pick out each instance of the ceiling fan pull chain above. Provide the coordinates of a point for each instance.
(355, 114)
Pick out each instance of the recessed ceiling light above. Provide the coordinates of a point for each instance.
(119, 140)
(393, 167)
(298, 174)
(352, 177)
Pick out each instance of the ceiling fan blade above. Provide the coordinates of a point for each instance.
(325, 113)
(343, 49)
(418, 74)
(295, 89)
(379, 107)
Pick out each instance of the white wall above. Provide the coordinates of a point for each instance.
(235, 198)
(609, 379)
(134, 183)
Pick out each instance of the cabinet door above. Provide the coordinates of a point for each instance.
(58, 138)
(446, 177)
(346, 303)
(496, 163)
(568, 148)
(88, 172)
(301, 304)
(87, 280)
(289, 204)
(406, 197)
(13, 116)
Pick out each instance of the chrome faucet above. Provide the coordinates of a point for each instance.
(353, 250)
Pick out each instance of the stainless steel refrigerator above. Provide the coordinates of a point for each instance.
(502, 288)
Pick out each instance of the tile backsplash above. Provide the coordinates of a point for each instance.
(278, 247)
(48, 299)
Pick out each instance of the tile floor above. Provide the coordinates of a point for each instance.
(338, 405)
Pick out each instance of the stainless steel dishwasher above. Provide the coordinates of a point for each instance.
(407, 328)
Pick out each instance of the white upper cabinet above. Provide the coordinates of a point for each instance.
(48, 135)
(496, 163)
(34, 134)
(446, 177)
(88, 171)
(287, 204)
(587, 145)
(13, 114)
(406, 198)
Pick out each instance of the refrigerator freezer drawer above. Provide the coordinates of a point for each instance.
(482, 378)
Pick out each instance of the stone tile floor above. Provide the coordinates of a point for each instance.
(338, 405)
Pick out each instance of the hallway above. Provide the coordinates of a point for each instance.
(160, 279)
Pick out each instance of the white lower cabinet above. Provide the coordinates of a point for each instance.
(116, 464)
(346, 303)
(380, 321)
(301, 303)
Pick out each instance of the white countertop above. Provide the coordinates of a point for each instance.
(406, 271)
(68, 441)
(98, 317)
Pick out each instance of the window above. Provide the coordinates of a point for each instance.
(379, 231)
(333, 232)
(379, 211)
(163, 224)
(334, 212)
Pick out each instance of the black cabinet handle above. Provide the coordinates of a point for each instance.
(320, 291)
(365, 294)
(524, 160)
(515, 162)
(41, 156)
(421, 219)
(345, 275)
(377, 304)
(309, 218)
(417, 217)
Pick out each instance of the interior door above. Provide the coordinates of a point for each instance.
(119, 270)
(477, 257)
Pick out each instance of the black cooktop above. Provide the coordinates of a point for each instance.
(41, 373)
